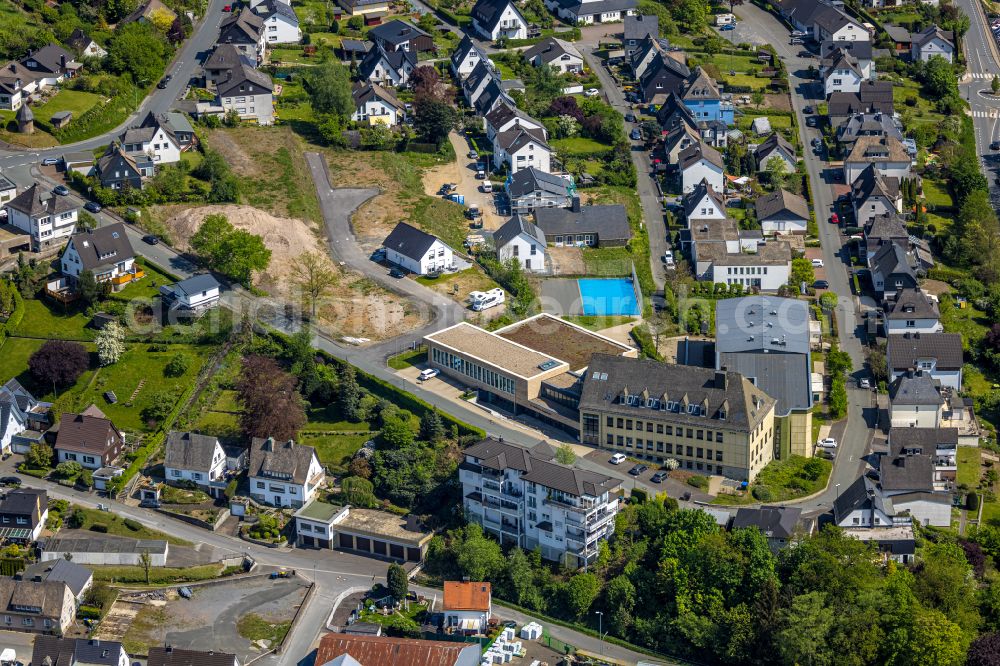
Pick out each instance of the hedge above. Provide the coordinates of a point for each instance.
(98, 118)
(15, 317)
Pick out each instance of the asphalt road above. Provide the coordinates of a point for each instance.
(982, 57)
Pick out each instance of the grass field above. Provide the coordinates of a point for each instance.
(253, 627)
(117, 527)
(578, 145)
(172, 495)
(14, 355)
(51, 320)
(968, 466)
(408, 359)
(335, 450)
(76, 101)
(784, 480)
(777, 122)
(968, 321)
(157, 575)
(936, 194)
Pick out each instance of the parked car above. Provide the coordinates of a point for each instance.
(659, 476)
(150, 239)
(834, 219)
(995, 145)
(429, 373)
(50, 161)
(827, 443)
(61, 190)
(817, 263)
(92, 207)
(807, 109)
(821, 284)
(227, 8)
(618, 459)
(811, 121)
(806, 54)
(635, 134)
(864, 383)
(592, 92)
(728, 27)
(668, 258)
(638, 469)
(396, 273)
(630, 117)
(10, 481)
(473, 155)
(164, 81)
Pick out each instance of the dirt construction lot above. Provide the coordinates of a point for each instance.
(462, 173)
(211, 620)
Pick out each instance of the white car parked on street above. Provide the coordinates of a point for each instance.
(827, 443)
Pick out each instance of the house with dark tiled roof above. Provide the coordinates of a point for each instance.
(662, 76)
(77, 578)
(701, 96)
(521, 147)
(23, 513)
(522, 241)
(585, 226)
(874, 194)
(417, 251)
(387, 68)
(912, 311)
(23, 418)
(871, 97)
(841, 72)
(89, 438)
(224, 59)
(48, 218)
(119, 169)
(397, 35)
(778, 524)
(493, 95)
(465, 57)
(938, 355)
(493, 19)
(638, 28)
(704, 203)
(781, 212)
(645, 51)
(283, 474)
(375, 105)
(494, 468)
(505, 117)
(84, 45)
(105, 251)
(45, 607)
(532, 188)
(560, 55)
(700, 162)
(245, 31)
(776, 147)
(190, 457)
(247, 92)
(587, 12)
(933, 42)
(887, 155)
(281, 24)
(915, 400)
(171, 656)
(867, 124)
(892, 269)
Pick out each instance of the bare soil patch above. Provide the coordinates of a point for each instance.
(778, 102)
(462, 173)
(935, 287)
(567, 260)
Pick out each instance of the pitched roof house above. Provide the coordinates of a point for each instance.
(777, 147)
(20, 412)
(77, 578)
(465, 57)
(245, 31)
(388, 68)
(118, 169)
(701, 162)
(704, 203)
(874, 194)
(171, 656)
(871, 97)
(24, 509)
(248, 92)
(560, 55)
(521, 147)
(467, 606)
(38, 207)
(417, 251)
(493, 19)
(939, 355)
(533, 188)
(912, 311)
(281, 24)
(399, 35)
(933, 41)
(145, 12)
(283, 474)
(887, 155)
(522, 241)
(88, 439)
(638, 28)
(45, 607)
(781, 212)
(892, 269)
(105, 251)
(776, 523)
(84, 46)
(376, 105)
(192, 457)
(593, 226)
(663, 75)
(352, 650)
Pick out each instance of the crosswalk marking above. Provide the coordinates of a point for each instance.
(992, 113)
(983, 76)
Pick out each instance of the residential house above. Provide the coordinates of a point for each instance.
(399, 35)
(766, 340)
(901, 38)
(939, 446)
(781, 212)
(938, 355)
(118, 169)
(912, 311)
(585, 226)
(841, 74)
(587, 12)
(193, 294)
(281, 24)
(560, 55)
(146, 11)
(23, 418)
(505, 117)
(647, 50)
(701, 162)
(701, 96)
(873, 195)
(417, 251)
(78, 652)
(366, 8)
(467, 606)
(387, 68)
(171, 656)
(776, 147)
(867, 124)
(154, 140)
(13, 79)
(88, 438)
(50, 65)
(245, 31)
(465, 57)
(522, 241)
(529, 189)
(860, 52)
(363, 531)
(662, 76)
(871, 97)
(887, 155)
(829, 23)
(224, 59)
(23, 513)
(105, 251)
(375, 105)
(283, 474)
(353, 650)
(248, 92)
(778, 524)
(891, 269)
(45, 607)
(865, 511)
(710, 422)
(475, 83)
(493, 95)
(724, 231)
(673, 113)
(495, 19)
(638, 28)
(897, 543)
(525, 498)
(704, 203)
(77, 578)
(932, 41)
(84, 46)
(915, 400)
(520, 148)
(194, 458)
(8, 190)
(863, 504)
(48, 218)
(720, 252)
(883, 230)
(675, 142)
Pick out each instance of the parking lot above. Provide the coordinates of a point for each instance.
(672, 486)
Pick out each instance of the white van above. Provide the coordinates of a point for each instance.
(724, 19)
(488, 187)
(493, 297)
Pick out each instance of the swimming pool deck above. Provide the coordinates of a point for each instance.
(589, 296)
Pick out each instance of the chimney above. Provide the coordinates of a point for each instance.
(575, 205)
(169, 649)
(910, 373)
(269, 444)
(62, 61)
(720, 380)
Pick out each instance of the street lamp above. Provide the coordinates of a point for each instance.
(600, 628)
(837, 486)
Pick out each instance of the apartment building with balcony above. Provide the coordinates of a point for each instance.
(524, 497)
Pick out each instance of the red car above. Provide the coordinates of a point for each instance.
(834, 219)
(227, 8)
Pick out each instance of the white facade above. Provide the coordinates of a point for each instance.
(914, 416)
(702, 169)
(900, 169)
(528, 252)
(532, 154)
(513, 121)
(258, 108)
(283, 492)
(768, 278)
(438, 257)
(280, 29)
(200, 477)
(467, 64)
(849, 32)
(901, 326)
(790, 165)
(932, 47)
(86, 460)
(7, 190)
(377, 110)
(952, 378)
(706, 209)
(44, 229)
(158, 558)
(924, 511)
(841, 80)
(875, 206)
(73, 266)
(865, 517)
(93, 50)
(161, 148)
(199, 300)
(511, 25)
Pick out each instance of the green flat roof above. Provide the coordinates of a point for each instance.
(317, 510)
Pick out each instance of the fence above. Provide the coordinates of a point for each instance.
(556, 644)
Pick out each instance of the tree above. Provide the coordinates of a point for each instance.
(838, 397)
(396, 432)
(565, 455)
(146, 562)
(777, 172)
(349, 395)
(424, 80)
(272, 407)
(939, 78)
(161, 18)
(804, 636)
(757, 97)
(59, 362)
(985, 650)
(478, 556)
(315, 276)
(397, 581)
(39, 456)
(620, 602)
(995, 85)
(234, 252)
(802, 271)
(137, 50)
(828, 300)
(433, 119)
(178, 365)
(518, 577)
(431, 426)
(68, 469)
(91, 291)
(330, 89)
(581, 592)
(110, 342)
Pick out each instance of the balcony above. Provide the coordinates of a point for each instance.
(491, 485)
(554, 501)
(125, 278)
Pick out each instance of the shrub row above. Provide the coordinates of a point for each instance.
(98, 118)
(15, 317)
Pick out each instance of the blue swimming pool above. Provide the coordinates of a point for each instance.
(608, 297)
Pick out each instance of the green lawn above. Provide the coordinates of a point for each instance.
(328, 418)
(506, 72)
(335, 450)
(968, 321)
(146, 288)
(785, 480)
(408, 359)
(76, 101)
(218, 424)
(936, 194)
(578, 145)
(253, 627)
(138, 364)
(968, 466)
(157, 575)
(991, 513)
(48, 319)
(116, 526)
(777, 122)
(289, 55)
(173, 495)
(14, 354)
